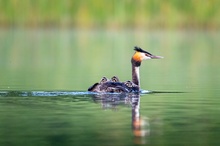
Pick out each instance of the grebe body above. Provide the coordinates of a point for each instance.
(115, 86)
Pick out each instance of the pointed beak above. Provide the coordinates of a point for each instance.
(155, 57)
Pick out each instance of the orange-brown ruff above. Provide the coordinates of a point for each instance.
(114, 85)
(138, 56)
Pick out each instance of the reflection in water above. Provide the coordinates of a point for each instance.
(73, 118)
(140, 125)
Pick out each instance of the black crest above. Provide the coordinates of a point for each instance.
(138, 49)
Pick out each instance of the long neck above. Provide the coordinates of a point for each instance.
(135, 72)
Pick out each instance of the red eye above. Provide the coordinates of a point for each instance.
(148, 55)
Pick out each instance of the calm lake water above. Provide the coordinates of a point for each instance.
(45, 75)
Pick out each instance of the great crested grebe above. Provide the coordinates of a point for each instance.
(114, 85)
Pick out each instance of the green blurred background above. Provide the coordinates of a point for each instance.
(112, 14)
(70, 44)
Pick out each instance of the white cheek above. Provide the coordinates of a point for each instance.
(146, 57)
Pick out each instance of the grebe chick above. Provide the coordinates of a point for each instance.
(114, 85)
(96, 86)
(115, 79)
(129, 84)
(103, 80)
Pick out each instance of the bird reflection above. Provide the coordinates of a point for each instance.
(140, 125)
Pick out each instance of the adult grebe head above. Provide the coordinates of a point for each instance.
(141, 55)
